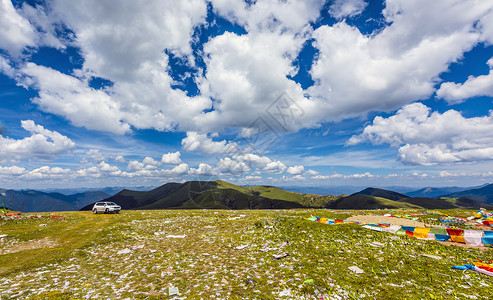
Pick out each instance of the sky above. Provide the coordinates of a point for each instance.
(102, 93)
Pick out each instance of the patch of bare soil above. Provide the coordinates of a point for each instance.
(381, 219)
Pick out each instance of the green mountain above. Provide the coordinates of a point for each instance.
(361, 201)
(381, 193)
(224, 195)
(215, 194)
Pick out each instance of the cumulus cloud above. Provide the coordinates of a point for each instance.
(295, 170)
(200, 142)
(474, 86)
(13, 170)
(229, 166)
(120, 159)
(274, 167)
(311, 173)
(425, 138)
(42, 144)
(151, 161)
(16, 32)
(203, 170)
(46, 172)
(181, 169)
(105, 167)
(95, 155)
(171, 158)
(71, 97)
(357, 73)
(347, 8)
(245, 73)
(135, 165)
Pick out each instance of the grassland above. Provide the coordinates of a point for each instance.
(227, 254)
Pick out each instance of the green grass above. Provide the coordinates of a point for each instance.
(83, 261)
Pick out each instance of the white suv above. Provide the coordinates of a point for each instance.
(106, 207)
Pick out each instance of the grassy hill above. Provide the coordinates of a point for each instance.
(360, 201)
(381, 193)
(224, 195)
(208, 194)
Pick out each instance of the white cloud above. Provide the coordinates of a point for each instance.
(181, 169)
(203, 169)
(120, 159)
(151, 161)
(46, 172)
(446, 174)
(70, 97)
(354, 73)
(261, 163)
(311, 173)
(13, 170)
(474, 86)
(95, 155)
(105, 167)
(363, 175)
(250, 177)
(430, 139)
(17, 32)
(254, 160)
(42, 144)
(229, 166)
(195, 141)
(357, 73)
(275, 167)
(295, 170)
(292, 15)
(171, 158)
(135, 165)
(347, 8)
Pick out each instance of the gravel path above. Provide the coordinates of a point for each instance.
(382, 219)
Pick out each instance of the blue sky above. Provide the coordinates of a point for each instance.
(315, 93)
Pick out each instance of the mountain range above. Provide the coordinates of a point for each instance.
(37, 201)
(223, 195)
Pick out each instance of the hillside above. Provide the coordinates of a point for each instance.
(435, 192)
(207, 194)
(224, 195)
(381, 193)
(36, 201)
(484, 193)
(361, 201)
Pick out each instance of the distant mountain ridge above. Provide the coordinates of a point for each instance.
(435, 192)
(374, 198)
(37, 201)
(484, 193)
(223, 195)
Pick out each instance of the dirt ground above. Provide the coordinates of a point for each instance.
(382, 219)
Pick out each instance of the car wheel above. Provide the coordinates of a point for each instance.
(95, 211)
(106, 211)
